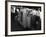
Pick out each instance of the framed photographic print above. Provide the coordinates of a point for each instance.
(24, 18)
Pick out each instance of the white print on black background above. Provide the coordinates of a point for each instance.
(25, 18)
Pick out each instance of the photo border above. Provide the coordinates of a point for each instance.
(6, 30)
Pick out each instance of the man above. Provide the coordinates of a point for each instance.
(36, 22)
